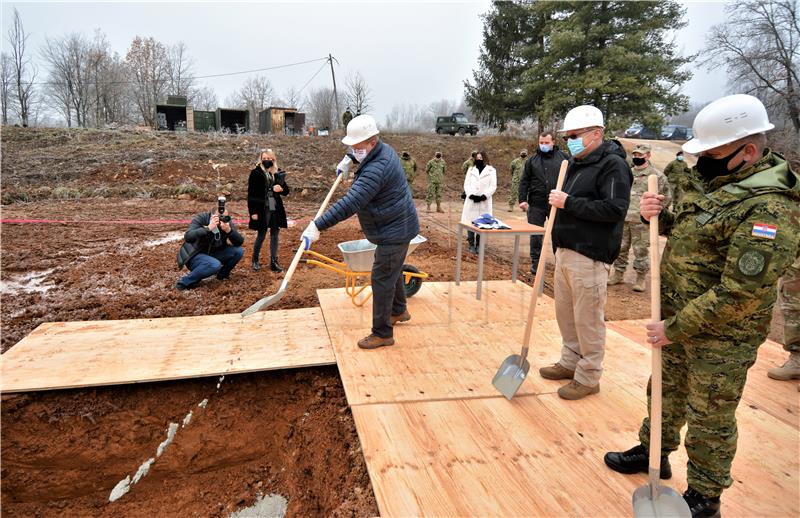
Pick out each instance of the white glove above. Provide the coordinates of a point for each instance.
(310, 234)
(344, 167)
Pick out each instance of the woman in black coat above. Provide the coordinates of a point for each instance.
(266, 188)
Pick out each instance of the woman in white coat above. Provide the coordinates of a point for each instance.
(479, 186)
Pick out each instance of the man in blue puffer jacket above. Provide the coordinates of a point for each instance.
(382, 199)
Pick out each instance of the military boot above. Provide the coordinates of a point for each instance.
(575, 390)
(702, 506)
(789, 371)
(439, 207)
(635, 460)
(429, 208)
(616, 277)
(556, 372)
(640, 280)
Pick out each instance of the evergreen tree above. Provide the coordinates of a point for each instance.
(540, 59)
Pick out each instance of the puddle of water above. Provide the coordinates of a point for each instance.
(31, 282)
(164, 239)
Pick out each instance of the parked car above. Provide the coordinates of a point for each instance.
(455, 123)
(639, 131)
(675, 132)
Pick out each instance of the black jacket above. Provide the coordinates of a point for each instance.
(258, 187)
(539, 178)
(199, 239)
(599, 190)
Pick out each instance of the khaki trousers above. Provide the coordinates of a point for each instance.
(580, 293)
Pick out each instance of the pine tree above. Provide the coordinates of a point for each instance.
(541, 59)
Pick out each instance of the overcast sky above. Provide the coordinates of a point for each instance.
(408, 52)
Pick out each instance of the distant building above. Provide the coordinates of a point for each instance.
(281, 121)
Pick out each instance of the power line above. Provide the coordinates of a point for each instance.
(200, 77)
(312, 77)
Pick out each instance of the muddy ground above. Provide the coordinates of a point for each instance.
(286, 432)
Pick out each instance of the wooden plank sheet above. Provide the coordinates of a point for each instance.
(82, 354)
(439, 354)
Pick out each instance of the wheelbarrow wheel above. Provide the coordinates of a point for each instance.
(413, 284)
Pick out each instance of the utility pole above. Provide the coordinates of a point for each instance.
(335, 94)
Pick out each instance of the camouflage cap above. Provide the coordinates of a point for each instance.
(474, 152)
(641, 148)
(404, 153)
(524, 152)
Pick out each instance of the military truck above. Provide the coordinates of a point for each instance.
(455, 123)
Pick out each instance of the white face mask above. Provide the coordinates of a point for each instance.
(360, 154)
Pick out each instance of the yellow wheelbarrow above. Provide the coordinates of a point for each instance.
(359, 255)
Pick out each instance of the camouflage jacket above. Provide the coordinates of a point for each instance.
(676, 166)
(729, 242)
(640, 186)
(409, 168)
(516, 167)
(466, 165)
(435, 170)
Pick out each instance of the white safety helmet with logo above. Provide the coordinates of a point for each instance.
(360, 129)
(580, 117)
(727, 120)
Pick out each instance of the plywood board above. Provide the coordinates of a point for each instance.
(436, 355)
(82, 354)
(777, 398)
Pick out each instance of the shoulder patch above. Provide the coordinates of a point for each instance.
(764, 230)
(752, 262)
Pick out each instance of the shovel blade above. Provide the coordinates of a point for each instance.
(667, 503)
(510, 375)
(263, 303)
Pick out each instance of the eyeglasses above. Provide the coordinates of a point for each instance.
(575, 135)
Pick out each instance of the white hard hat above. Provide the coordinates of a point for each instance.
(360, 129)
(726, 120)
(585, 116)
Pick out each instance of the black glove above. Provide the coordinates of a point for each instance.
(482, 197)
(475, 198)
(463, 195)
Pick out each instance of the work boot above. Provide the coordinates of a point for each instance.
(639, 285)
(473, 249)
(405, 316)
(274, 266)
(374, 341)
(556, 372)
(429, 208)
(510, 208)
(789, 371)
(616, 277)
(256, 266)
(439, 207)
(702, 506)
(635, 460)
(575, 390)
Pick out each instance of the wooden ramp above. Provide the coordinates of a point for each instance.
(440, 441)
(83, 354)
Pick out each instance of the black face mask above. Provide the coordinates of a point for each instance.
(267, 163)
(710, 168)
(480, 164)
(638, 160)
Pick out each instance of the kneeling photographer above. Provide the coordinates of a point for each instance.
(211, 246)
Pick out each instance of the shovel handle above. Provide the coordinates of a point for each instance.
(655, 316)
(548, 230)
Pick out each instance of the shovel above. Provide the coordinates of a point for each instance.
(653, 499)
(273, 299)
(514, 369)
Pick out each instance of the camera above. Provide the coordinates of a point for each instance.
(221, 207)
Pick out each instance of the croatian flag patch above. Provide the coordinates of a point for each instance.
(764, 230)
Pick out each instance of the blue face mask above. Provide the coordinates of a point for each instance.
(575, 146)
(679, 157)
(545, 148)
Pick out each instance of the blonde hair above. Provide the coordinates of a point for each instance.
(273, 157)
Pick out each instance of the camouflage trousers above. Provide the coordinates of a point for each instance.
(514, 193)
(636, 235)
(434, 192)
(703, 382)
(790, 306)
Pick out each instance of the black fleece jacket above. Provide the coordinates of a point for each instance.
(599, 190)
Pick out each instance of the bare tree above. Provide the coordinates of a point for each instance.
(322, 107)
(6, 88)
(205, 99)
(71, 61)
(23, 72)
(255, 95)
(147, 65)
(759, 45)
(292, 98)
(179, 70)
(357, 94)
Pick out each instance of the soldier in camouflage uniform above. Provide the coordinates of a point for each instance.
(790, 307)
(435, 169)
(469, 162)
(409, 168)
(635, 234)
(734, 232)
(517, 165)
(676, 172)
(347, 116)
